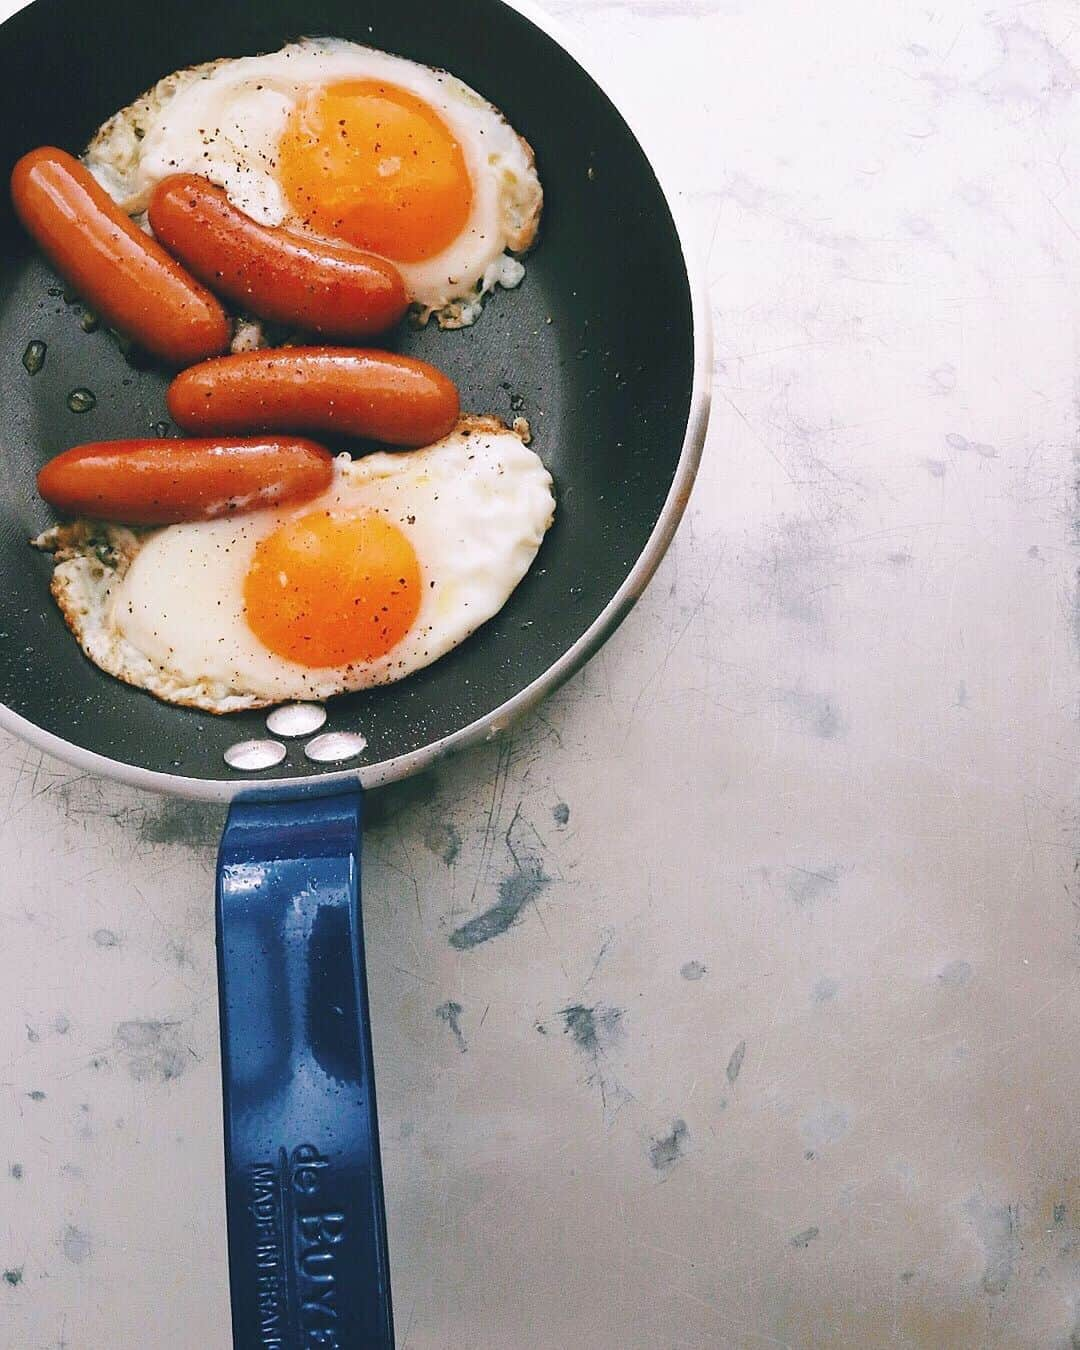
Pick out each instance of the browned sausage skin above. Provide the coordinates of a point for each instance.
(352, 392)
(121, 273)
(164, 482)
(328, 288)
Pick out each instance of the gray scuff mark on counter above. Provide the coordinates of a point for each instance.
(957, 442)
(13, 1276)
(735, 1063)
(798, 567)
(560, 813)
(444, 840)
(152, 1049)
(995, 1226)
(450, 1013)
(187, 824)
(168, 821)
(517, 888)
(1031, 71)
(516, 892)
(668, 1149)
(826, 1124)
(105, 937)
(694, 970)
(591, 1029)
(179, 952)
(75, 1245)
(804, 886)
(805, 1238)
(813, 713)
(955, 975)
(595, 1031)
(943, 379)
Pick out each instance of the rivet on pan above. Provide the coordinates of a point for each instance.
(249, 755)
(334, 746)
(296, 719)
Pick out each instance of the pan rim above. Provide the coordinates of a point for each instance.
(488, 727)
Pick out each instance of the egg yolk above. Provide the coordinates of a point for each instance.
(375, 165)
(328, 589)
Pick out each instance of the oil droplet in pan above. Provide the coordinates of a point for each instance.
(34, 356)
(81, 400)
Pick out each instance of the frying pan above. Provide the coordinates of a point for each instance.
(604, 348)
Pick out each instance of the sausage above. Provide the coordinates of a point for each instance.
(348, 391)
(121, 273)
(331, 289)
(163, 482)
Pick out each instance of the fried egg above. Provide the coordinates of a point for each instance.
(400, 560)
(352, 144)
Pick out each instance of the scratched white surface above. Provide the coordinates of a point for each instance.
(784, 1053)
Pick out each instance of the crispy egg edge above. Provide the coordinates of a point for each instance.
(117, 140)
(91, 555)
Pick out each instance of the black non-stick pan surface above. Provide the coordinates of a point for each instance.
(596, 348)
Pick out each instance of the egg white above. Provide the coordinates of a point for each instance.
(163, 609)
(224, 120)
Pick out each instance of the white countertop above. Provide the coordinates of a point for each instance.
(785, 1051)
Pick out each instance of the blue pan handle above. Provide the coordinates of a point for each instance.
(308, 1263)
